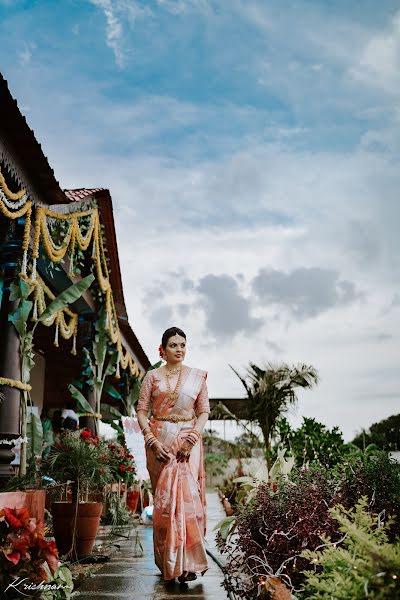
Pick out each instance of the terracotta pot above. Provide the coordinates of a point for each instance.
(132, 498)
(33, 500)
(87, 525)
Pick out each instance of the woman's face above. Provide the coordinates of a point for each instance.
(175, 350)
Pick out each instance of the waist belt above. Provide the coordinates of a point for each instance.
(173, 418)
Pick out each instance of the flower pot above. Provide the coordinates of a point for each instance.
(33, 500)
(132, 498)
(87, 525)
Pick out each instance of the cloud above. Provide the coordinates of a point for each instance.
(114, 30)
(306, 292)
(25, 55)
(395, 301)
(181, 7)
(364, 240)
(292, 183)
(227, 311)
(118, 12)
(379, 62)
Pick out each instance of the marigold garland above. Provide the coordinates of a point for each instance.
(72, 238)
(18, 213)
(10, 195)
(14, 383)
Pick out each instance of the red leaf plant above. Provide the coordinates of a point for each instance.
(271, 533)
(24, 551)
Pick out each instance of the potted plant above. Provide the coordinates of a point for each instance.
(29, 564)
(123, 470)
(81, 461)
(25, 491)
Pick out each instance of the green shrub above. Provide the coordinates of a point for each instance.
(363, 564)
(374, 475)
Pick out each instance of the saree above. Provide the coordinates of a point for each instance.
(179, 512)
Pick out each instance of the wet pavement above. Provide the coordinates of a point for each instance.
(129, 576)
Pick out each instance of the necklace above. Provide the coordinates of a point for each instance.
(174, 394)
(172, 371)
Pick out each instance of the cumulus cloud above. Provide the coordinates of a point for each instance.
(306, 292)
(227, 310)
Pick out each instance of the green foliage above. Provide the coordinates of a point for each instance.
(312, 442)
(81, 459)
(362, 565)
(61, 579)
(246, 442)
(215, 464)
(385, 435)
(35, 436)
(19, 318)
(81, 402)
(225, 527)
(271, 390)
(67, 297)
(374, 475)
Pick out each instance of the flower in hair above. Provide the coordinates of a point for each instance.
(161, 351)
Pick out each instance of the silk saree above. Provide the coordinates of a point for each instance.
(179, 512)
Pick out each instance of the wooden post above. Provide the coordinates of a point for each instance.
(10, 367)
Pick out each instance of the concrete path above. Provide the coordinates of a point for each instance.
(127, 576)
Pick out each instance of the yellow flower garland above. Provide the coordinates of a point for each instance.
(55, 253)
(10, 195)
(14, 383)
(18, 213)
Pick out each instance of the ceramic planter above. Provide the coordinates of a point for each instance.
(132, 498)
(87, 524)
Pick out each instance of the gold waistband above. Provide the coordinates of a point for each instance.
(173, 418)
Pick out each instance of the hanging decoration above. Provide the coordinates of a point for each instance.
(82, 228)
(14, 383)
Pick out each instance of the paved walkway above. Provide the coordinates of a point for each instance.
(127, 576)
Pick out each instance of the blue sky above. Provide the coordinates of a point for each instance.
(252, 151)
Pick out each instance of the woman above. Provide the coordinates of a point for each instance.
(174, 452)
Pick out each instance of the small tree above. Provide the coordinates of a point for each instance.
(385, 435)
(270, 391)
(312, 442)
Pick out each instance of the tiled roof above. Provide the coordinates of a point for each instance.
(81, 194)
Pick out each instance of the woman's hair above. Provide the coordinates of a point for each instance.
(170, 333)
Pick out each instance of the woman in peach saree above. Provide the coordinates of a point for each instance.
(174, 451)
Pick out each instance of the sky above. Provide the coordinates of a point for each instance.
(251, 148)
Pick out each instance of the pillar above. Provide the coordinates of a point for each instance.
(10, 364)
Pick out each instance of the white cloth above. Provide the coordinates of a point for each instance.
(67, 412)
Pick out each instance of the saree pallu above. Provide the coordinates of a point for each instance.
(179, 513)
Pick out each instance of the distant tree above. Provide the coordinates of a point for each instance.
(270, 391)
(312, 442)
(385, 435)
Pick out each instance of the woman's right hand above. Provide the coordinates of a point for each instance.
(160, 452)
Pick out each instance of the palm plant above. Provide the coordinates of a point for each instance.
(270, 391)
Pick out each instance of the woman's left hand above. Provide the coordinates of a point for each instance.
(183, 453)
